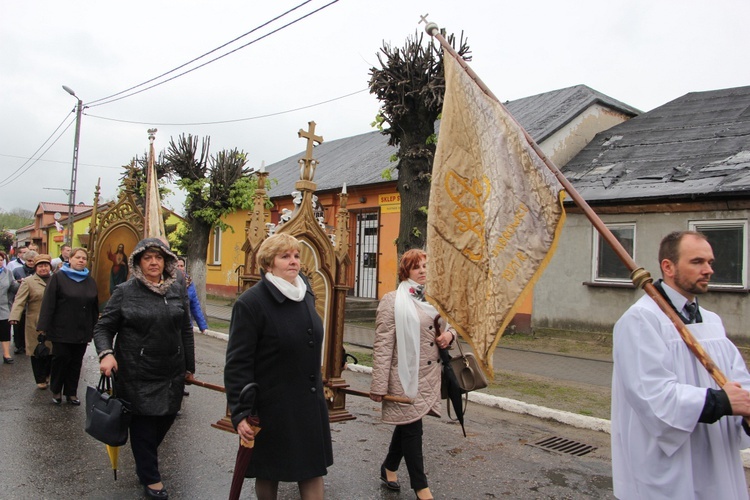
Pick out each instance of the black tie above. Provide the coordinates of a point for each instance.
(691, 308)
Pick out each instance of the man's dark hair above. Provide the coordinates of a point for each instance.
(670, 245)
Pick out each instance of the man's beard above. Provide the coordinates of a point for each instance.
(694, 288)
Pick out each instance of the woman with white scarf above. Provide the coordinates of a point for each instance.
(406, 362)
(275, 341)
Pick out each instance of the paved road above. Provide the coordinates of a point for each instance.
(46, 454)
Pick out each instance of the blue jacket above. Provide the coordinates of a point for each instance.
(195, 308)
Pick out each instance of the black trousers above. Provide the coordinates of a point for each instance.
(146, 434)
(65, 370)
(406, 443)
(4, 330)
(19, 332)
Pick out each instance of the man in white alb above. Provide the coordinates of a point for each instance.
(675, 434)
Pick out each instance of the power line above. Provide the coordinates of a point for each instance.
(18, 174)
(228, 121)
(202, 56)
(60, 161)
(103, 102)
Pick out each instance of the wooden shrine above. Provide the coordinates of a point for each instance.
(114, 233)
(323, 261)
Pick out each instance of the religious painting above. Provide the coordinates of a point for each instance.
(112, 260)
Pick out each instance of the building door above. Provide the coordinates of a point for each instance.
(366, 270)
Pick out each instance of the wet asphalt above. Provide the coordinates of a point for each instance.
(46, 453)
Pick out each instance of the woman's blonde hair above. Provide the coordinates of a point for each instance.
(273, 246)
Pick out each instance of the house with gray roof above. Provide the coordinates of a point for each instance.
(561, 121)
(682, 166)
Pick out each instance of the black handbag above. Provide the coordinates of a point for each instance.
(107, 418)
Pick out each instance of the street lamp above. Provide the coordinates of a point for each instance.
(74, 173)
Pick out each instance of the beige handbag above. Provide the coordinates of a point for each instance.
(464, 366)
(469, 375)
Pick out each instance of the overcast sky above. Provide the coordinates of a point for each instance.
(644, 53)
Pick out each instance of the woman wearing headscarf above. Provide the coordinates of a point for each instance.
(406, 362)
(275, 340)
(8, 285)
(70, 308)
(149, 318)
(29, 299)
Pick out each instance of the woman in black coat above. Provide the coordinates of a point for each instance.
(275, 340)
(150, 318)
(70, 309)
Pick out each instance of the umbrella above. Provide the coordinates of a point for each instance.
(245, 450)
(114, 454)
(112, 451)
(450, 388)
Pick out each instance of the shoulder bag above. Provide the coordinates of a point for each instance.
(107, 418)
(464, 366)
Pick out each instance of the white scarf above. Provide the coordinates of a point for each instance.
(295, 292)
(407, 335)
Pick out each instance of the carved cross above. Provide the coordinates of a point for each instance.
(311, 137)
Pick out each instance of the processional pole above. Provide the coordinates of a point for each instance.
(153, 226)
(638, 275)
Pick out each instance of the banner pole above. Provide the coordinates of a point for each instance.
(639, 276)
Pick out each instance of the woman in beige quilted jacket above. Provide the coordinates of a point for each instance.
(406, 363)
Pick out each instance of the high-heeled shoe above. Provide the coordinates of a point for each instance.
(424, 498)
(57, 399)
(73, 400)
(391, 485)
(8, 361)
(151, 493)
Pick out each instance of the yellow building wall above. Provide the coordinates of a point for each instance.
(221, 278)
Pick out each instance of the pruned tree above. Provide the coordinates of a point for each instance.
(410, 85)
(216, 186)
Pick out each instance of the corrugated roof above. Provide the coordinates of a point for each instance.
(696, 145)
(48, 206)
(360, 160)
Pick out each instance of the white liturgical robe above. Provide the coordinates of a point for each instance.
(659, 450)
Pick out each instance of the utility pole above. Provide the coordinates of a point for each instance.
(74, 172)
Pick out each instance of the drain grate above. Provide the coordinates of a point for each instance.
(563, 446)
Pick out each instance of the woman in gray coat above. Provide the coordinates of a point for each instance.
(8, 285)
(275, 340)
(149, 317)
(406, 362)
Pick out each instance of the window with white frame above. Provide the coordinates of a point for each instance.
(607, 265)
(727, 238)
(217, 246)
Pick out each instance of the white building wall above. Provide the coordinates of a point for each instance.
(563, 301)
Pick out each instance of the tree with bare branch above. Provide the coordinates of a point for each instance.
(216, 186)
(410, 85)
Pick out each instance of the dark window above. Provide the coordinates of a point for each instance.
(728, 243)
(608, 264)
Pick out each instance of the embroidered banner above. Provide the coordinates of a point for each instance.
(494, 216)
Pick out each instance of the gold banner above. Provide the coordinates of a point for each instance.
(494, 216)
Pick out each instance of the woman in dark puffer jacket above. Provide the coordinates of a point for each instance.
(150, 318)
